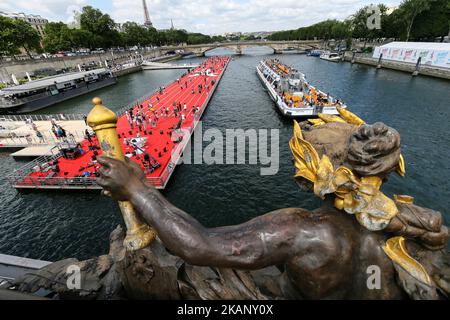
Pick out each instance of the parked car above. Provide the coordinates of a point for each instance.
(98, 50)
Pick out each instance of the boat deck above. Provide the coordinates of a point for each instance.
(34, 151)
(158, 142)
(25, 136)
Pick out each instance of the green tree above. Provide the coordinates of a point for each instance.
(80, 38)
(27, 37)
(101, 25)
(16, 34)
(410, 9)
(8, 43)
(433, 22)
(198, 38)
(135, 34)
(56, 37)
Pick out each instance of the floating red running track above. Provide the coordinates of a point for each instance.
(153, 146)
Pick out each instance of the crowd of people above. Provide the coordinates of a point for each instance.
(144, 118)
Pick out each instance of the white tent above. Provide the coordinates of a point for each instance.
(435, 54)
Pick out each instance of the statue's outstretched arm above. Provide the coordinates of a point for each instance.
(263, 241)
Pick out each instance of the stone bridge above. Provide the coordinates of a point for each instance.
(238, 47)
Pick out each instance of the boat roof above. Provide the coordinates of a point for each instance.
(48, 81)
(293, 71)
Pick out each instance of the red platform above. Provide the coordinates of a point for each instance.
(159, 143)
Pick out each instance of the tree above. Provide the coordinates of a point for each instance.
(8, 43)
(56, 37)
(101, 25)
(328, 29)
(135, 34)
(175, 37)
(197, 38)
(80, 38)
(433, 22)
(410, 9)
(16, 34)
(27, 37)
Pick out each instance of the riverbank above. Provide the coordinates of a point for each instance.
(399, 66)
(19, 68)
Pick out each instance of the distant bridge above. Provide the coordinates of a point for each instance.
(238, 47)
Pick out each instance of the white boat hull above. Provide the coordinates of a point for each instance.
(332, 59)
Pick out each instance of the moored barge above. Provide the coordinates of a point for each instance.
(42, 93)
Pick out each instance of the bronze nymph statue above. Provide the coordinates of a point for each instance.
(290, 253)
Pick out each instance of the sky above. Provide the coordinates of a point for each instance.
(205, 16)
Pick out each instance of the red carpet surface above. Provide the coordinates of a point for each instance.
(149, 140)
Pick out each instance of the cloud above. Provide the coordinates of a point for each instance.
(54, 10)
(206, 16)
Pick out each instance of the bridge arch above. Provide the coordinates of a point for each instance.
(238, 49)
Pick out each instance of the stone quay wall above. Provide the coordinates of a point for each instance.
(399, 66)
(19, 68)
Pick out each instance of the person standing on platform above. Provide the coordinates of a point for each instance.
(130, 121)
(144, 123)
(40, 137)
(55, 133)
(34, 126)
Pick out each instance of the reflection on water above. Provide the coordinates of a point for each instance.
(54, 225)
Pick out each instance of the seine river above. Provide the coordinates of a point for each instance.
(56, 225)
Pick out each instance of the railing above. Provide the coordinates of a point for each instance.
(43, 117)
(57, 182)
(22, 177)
(28, 139)
(26, 169)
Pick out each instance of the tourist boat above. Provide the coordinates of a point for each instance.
(315, 53)
(42, 93)
(293, 95)
(329, 56)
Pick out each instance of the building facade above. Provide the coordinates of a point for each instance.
(36, 21)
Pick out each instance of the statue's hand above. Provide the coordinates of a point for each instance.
(119, 179)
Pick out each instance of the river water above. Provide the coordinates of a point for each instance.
(54, 225)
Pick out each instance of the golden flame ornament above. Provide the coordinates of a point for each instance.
(104, 122)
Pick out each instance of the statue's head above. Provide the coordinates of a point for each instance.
(345, 157)
(374, 150)
(367, 150)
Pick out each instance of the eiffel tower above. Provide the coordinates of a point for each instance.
(147, 21)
